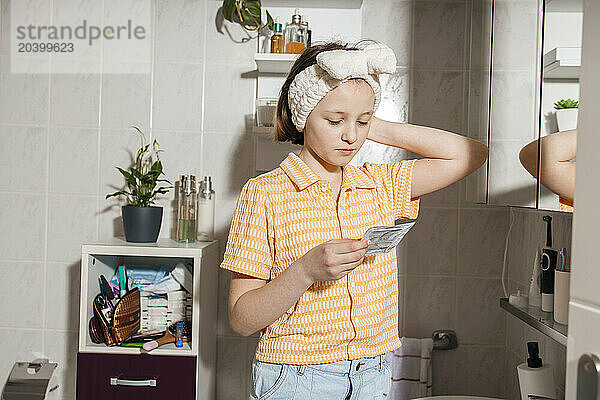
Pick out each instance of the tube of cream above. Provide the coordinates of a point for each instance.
(122, 280)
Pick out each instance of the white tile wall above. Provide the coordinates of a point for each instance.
(23, 148)
(394, 23)
(434, 20)
(69, 171)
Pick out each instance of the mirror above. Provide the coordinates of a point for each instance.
(561, 62)
(514, 100)
(534, 68)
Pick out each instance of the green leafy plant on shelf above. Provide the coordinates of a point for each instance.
(247, 13)
(144, 176)
(566, 103)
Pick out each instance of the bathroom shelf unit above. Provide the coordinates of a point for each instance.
(274, 63)
(127, 364)
(562, 63)
(539, 320)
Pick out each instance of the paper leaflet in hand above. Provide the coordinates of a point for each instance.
(385, 238)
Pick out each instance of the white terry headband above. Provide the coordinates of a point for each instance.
(334, 68)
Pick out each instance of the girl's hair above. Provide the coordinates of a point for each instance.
(285, 130)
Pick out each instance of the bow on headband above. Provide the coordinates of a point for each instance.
(375, 58)
(332, 69)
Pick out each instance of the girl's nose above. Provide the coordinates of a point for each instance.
(349, 135)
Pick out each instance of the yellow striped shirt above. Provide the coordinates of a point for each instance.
(284, 213)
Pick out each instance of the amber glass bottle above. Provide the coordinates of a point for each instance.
(277, 40)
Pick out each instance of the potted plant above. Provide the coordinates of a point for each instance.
(141, 220)
(566, 114)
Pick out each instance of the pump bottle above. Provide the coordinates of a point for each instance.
(206, 211)
(534, 377)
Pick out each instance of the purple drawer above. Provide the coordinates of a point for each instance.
(171, 377)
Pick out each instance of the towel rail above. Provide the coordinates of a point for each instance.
(444, 340)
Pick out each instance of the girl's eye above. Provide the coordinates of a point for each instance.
(334, 122)
(363, 122)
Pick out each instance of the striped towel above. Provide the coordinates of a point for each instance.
(411, 369)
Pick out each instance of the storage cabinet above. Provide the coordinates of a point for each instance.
(133, 377)
(167, 372)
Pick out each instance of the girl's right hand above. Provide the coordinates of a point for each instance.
(334, 259)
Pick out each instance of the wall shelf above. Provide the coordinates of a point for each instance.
(350, 4)
(266, 131)
(562, 63)
(537, 319)
(274, 63)
(564, 5)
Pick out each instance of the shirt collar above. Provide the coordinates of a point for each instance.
(302, 176)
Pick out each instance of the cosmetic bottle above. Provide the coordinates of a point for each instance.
(206, 211)
(304, 23)
(179, 335)
(535, 378)
(277, 40)
(548, 265)
(295, 35)
(187, 209)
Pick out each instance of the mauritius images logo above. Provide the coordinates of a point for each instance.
(76, 39)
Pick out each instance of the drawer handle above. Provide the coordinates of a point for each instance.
(127, 382)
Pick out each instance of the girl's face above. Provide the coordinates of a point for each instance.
(338, 126)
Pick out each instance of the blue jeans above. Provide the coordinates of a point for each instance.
(364, 378)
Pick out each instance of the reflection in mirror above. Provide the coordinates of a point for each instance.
(514, 105)
(556, 165)
(559, 101)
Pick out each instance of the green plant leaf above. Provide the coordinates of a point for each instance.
(143, 177)
(227, 9)
(270, 21)
(119, 193)
(566, 103)
(128, 177)
(251, 13)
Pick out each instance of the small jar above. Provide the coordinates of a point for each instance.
(265, 111)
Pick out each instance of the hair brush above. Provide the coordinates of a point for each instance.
(169, 336)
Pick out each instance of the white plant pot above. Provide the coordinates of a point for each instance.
(566, 119)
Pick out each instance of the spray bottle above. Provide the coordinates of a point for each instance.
(206, 211)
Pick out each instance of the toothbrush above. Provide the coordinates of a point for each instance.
(563, 259)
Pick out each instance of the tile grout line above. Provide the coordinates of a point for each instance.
(47, 198)
(154, 22)
(458, 206)
(99, 138)
(203, 98)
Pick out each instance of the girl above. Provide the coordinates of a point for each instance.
(557, 168)
(327, 313)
